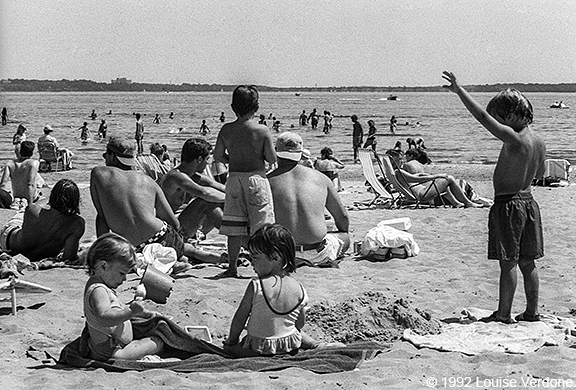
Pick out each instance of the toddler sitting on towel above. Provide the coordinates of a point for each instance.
(109, 260)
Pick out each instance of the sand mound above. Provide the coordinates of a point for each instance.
(369, 316)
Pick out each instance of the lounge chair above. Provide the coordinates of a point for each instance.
(51, 158)
(12, 285)
(381, 195)
(408, 196)
(150, 165)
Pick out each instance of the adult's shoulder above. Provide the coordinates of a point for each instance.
(33, 209)
(99, 171)
(174, 176)
(31, 163)
(78, 222)
(311, 175)
(103, 172)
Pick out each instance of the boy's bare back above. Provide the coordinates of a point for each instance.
(249, 146)
(519, 163)
(23, 177)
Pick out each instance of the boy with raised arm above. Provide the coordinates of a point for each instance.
(514, 225)
(246, 147)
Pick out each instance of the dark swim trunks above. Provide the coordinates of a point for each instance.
(167, 236)
(515, 228)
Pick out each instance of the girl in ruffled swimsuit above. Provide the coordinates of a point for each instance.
(274, 303)
(109, 260)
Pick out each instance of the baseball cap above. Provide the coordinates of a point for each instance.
(123, 149)
(48, 129)
(289, 146)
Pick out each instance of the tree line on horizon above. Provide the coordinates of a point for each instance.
(25, 85)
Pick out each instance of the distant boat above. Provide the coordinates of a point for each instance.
(559, 105)
(390, 97)
(297, 94)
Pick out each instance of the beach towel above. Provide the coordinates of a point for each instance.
(471, 337)
(384, 236)
(201, 356)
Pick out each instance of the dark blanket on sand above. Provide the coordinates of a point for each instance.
(199, 355)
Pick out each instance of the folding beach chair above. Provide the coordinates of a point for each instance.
(407, 194)
(49, 154)
(381, 195)
(12, 285)
(150, 165)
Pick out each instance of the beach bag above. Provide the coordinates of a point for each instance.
(160, 257)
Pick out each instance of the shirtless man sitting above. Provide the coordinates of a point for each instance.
(300, 197)
(131, 204)
(40, 232)
(197, 199)
(23, 173)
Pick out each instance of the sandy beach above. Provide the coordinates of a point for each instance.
(451, 273)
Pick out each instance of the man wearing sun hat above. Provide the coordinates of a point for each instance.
(47, 143)
(300, 196)
(131, 204)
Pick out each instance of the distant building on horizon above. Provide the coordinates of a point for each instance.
(121, 80)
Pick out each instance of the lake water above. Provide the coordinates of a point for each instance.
(450, 132)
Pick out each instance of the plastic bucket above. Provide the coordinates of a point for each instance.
(158, 284)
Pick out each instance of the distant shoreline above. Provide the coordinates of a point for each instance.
(24, 85)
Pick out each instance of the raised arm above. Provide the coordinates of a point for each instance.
(504, 133)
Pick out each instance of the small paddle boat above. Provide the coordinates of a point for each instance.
(559, 105)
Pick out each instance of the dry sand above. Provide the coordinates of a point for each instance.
(450, 273)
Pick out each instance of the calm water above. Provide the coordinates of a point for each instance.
(451, 134)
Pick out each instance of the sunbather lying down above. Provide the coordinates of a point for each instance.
(427, 187)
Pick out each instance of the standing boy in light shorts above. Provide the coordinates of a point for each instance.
(246, 147)
(514, 226)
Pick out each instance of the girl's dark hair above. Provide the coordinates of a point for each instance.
(326, 152)
(27, 148)
(245, 99)
(110, 247)
(273, 239)
(65, 197)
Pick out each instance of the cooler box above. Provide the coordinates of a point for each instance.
(557, 168)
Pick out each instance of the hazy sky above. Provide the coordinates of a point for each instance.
(290, 42)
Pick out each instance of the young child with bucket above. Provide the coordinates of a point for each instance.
(109, 260)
